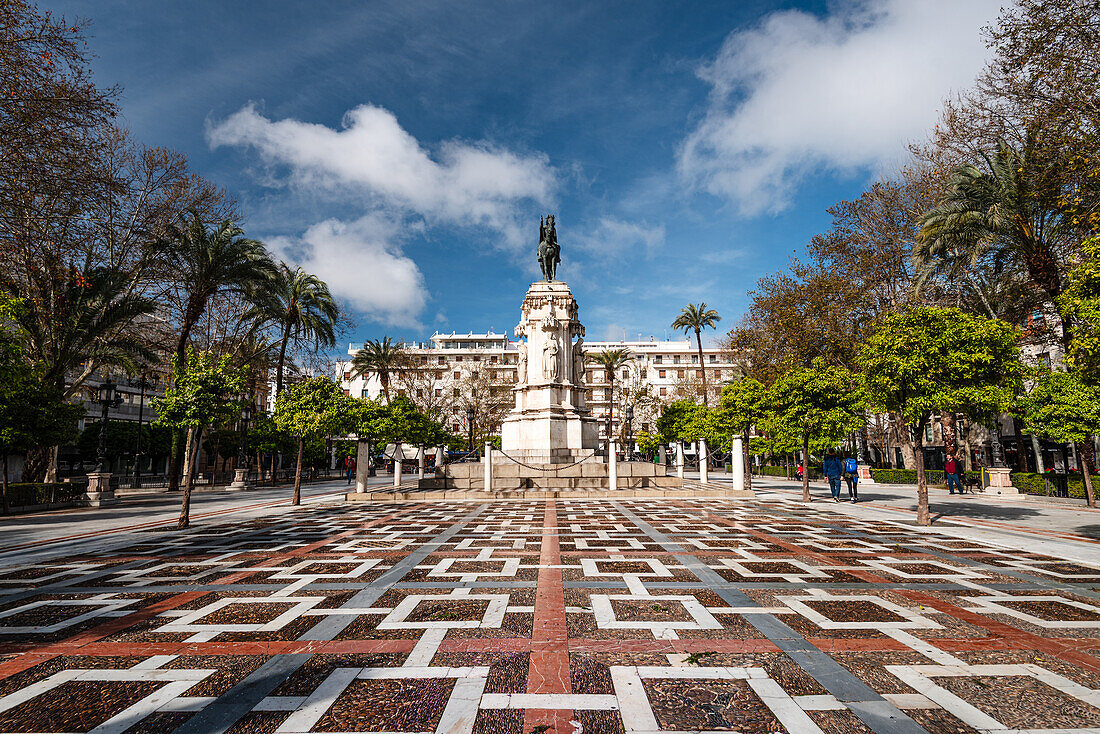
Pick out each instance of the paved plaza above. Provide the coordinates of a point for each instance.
(570, 616)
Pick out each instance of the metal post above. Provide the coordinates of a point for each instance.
(136, 483)
(680, 459)
(704, 459)
(397, 456)
(488, 464)
(612, 466)
(737, 463)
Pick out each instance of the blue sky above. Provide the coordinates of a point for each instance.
(405, 150)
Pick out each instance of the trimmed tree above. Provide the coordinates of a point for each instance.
(1080, 301)
(920, 361)
(203, 393)
(313, 409)
(740, 408)
(815, 407)
(1061, 407)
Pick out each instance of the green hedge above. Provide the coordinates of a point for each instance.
(1031, 483)
(28, 493)
(907, 476)
(780, 471)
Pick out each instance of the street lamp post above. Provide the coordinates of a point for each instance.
(107, 399)
(143, 384)
(240, 474)
(470, 415)
(628, 449)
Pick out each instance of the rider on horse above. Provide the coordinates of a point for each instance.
(549, 252)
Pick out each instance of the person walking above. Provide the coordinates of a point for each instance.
(349, 462)
(851, 477)
(951, 472)
(833, 470)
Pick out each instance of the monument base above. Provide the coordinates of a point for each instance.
(99, 492)
(587, 476)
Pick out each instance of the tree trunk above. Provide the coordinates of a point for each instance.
(190, 457)
(1038, 449)
(51, 466)
(35, 465)
(282, 362)
(174, 461)
(923, 517)
(1085, 451)
(805, 467)
(298, 474)
(7, 507)
(702, 367)
(905, 443)
(194, 436)
(947, 424)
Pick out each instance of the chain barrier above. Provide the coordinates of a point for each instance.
(554, 467)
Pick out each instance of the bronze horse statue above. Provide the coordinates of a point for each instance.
(549, 252)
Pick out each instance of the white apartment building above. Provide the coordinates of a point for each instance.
(450, 363)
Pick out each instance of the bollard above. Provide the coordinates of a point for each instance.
(398, 454)
(737, 462)
(422, 459)
(704, 460)
(612, 466)
(362, 466)
(488, 462)
(680, 459)
(438, 457)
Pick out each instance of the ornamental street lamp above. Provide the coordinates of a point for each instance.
(470, 414)
(143, 384)
(107, 398)
(246, 418)
(995, 444)
(629, 431)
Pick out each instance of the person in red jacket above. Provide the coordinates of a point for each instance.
(349, 462)
(951, 472)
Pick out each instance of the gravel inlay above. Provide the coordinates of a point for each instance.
(709, 705)
(1022, 702)
(75, 706)
(405, 705)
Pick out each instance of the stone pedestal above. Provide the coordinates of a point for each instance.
(550, 423)
(99, 492)
(240, 481)
(865, 474)
(1000, 480)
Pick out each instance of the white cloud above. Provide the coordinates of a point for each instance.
(612, 237)
(799, 93)
(363, 263)
(463, 183)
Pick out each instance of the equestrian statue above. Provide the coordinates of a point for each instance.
(549, 252)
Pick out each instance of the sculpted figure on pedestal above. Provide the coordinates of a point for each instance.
(552, 362)
(521, 371)
(578, 361)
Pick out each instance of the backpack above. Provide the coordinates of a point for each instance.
(851, 466)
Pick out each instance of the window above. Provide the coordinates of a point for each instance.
(456, 392)
(364, 394)
(694, 358)
(474, 374)
(718, 374)
(664, 391)
(1044, 360)
(660, 373)
(348, 393)
(458, 375)
(438, 393)
(679, 374)
(419, 393)
(458, 358)
(699, 374)
(626, 374)
(454, 428)
(676, 359)
(713, 358)
(347, 374)
(657, 359)
(928, 432)
(645, 427)
(442, 360)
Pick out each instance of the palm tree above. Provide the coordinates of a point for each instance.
(382, 358)
(698, 317)
(611, 360)
(206, 262)
(1007, 212)
(87, 324)
(300, 305)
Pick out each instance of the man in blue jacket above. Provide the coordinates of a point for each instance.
(834, 470)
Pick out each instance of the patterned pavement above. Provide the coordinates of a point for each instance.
(567, 616)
